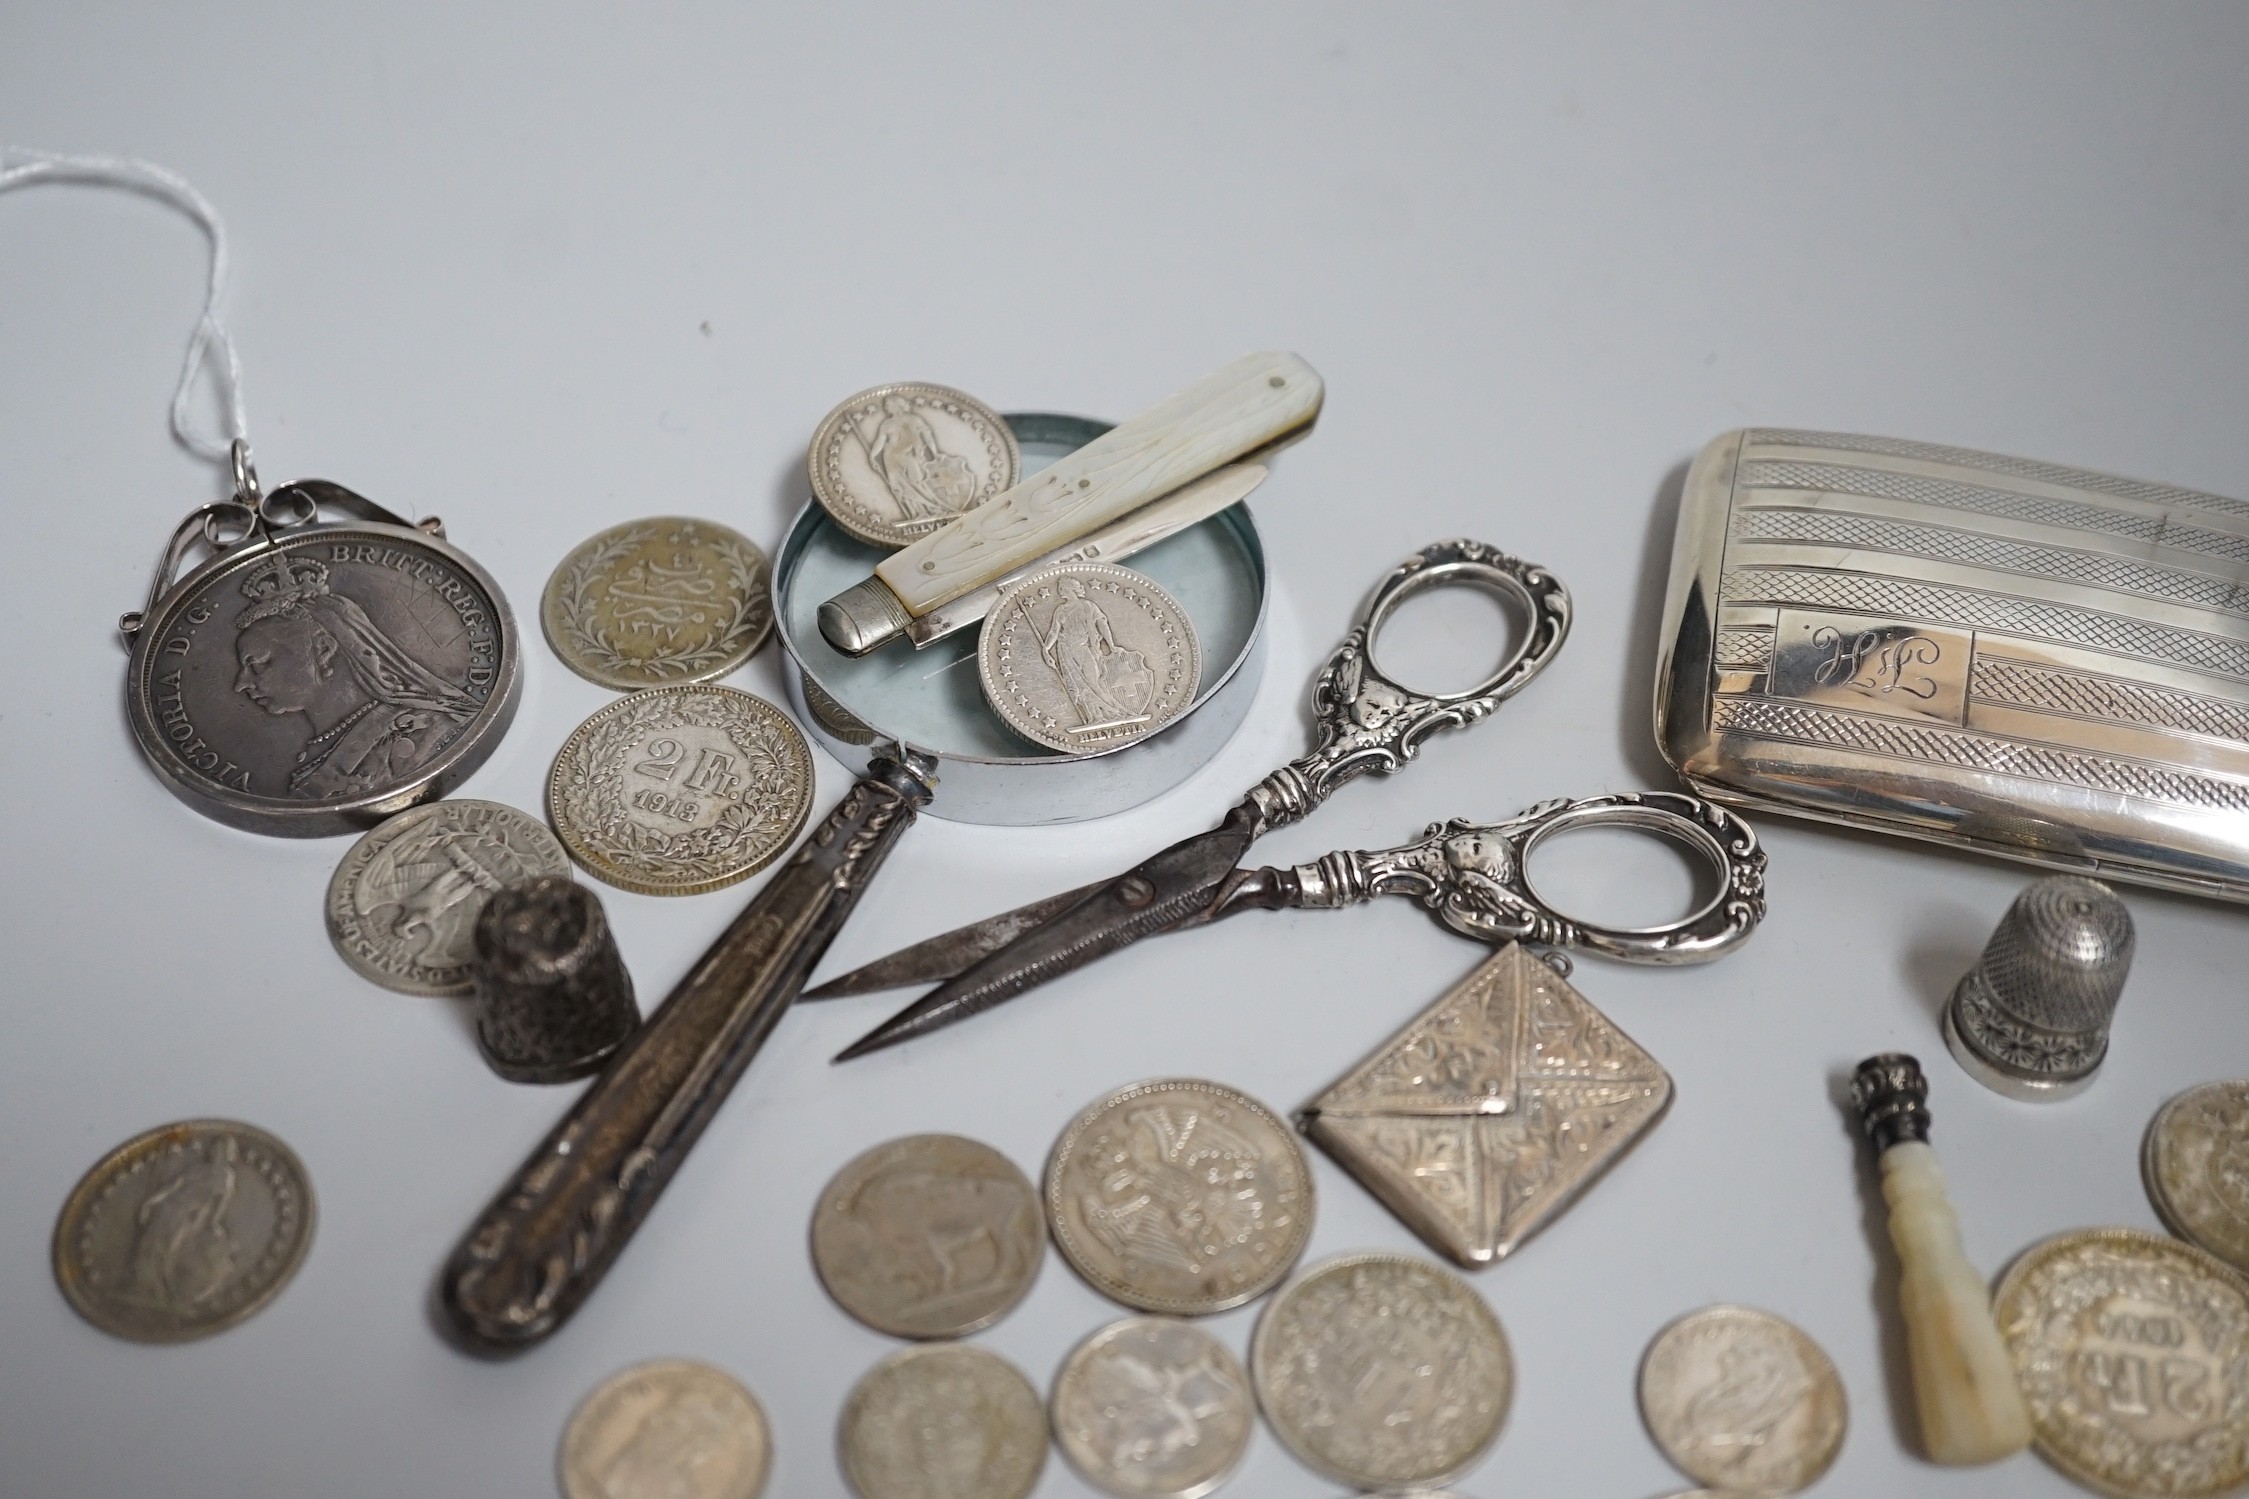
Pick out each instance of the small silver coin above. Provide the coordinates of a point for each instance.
(655, 601)
(2196, 1162)
(184, 1231)
(1152, 1406)
(1085, 656)
(679, 790)
(402, 906)
(1742, 1401)
(670, 1429)
(892, 464)
(930, 1236)
(1383, 1371)
(306, 684)
(943, 1422)
(1179, 1196)
(2133, 1355)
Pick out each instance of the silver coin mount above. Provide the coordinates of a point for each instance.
(319, 679)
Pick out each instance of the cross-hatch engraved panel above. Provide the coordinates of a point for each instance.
(1832, 478)
(1967, 751)
(2018, 684)
(1825, 528)
(1999, 463)
(1898, 599)
(1744, 647)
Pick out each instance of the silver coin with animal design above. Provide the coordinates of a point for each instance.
(670, 1429)
(892, 464)
(1086, 656)
(1383, 1371)
(184, 1231)
(1179, 1196)
(319, 677)
(1741, 1400)
(930, 1236)
(943, 1422)
(1153, 1408)
(402, 906)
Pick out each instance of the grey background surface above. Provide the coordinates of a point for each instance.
(539, 268)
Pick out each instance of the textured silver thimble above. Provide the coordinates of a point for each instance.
(2031, 1018)
(553, 999)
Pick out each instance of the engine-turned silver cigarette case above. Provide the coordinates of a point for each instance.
(2016, 657)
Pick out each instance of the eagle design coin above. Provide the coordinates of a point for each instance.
(402, 906)
(1740, 1400)
(1153, 1408)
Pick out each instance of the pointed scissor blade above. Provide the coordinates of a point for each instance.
(940, 957)
(1171, 889)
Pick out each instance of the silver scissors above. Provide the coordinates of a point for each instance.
(1472, 876)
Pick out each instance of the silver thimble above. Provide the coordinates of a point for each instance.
(553, 999)
(2030, 1020)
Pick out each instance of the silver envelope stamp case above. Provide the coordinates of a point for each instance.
(2010, 656)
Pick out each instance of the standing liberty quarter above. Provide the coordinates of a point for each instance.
(943, 1422)
(1179, 1196)
(1085, 656)
(2133, 1353)
(650, 602)
(892, 464)
(2196, 1162)
(671, 1429)
(930, 1236)
(1383, 1371)
(184, 1231)
(1153, 1408)
(402, 906)
(1742, 1401)
(679, 790)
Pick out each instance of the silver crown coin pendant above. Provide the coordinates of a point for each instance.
(310, 677)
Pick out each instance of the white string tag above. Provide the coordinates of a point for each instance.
(209, 349)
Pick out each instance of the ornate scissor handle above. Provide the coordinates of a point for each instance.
(1366, 721)
(1474, 877)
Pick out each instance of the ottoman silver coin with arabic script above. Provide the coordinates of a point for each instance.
(402, 906)
(678, 790)
(1153, 1408)
(184, 1231)
(1383, 1371)
(2197, 1166)
(943, 1422)
(1085, 656)
(671, 1429)
(2133, 1354)
(930, 1236)
(892, 464)
(667, 599)
(1179, 1196)
(1742, 1401)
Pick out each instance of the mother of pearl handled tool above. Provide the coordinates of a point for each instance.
(1964, 1386)
(1252, 405)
